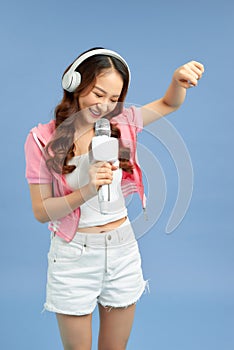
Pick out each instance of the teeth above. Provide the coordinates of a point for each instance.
(94, 112)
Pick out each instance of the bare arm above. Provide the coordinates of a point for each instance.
(48, 208)
(183, 78)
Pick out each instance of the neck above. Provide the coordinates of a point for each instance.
(82, 139)
(83, 128)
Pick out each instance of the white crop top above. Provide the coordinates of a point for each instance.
(90, 211)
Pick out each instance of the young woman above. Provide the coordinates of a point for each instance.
(94, 257)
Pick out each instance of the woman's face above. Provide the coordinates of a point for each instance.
(102, 98)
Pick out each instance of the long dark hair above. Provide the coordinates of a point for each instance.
(61, 148)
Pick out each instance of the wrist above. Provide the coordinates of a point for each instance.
(88, 191)
(176, 84)
(175, 94)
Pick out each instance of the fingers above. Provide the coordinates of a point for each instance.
(199, 66)
(103, 170)
(105, 166)
(101, 173)
(189, 74)
(195, 69)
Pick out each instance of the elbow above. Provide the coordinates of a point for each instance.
(41, 216)
(42, 220)
(169, 108)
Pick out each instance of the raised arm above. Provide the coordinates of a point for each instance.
(183, 78)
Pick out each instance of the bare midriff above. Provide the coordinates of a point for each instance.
(103, 228)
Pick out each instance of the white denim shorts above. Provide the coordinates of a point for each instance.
(94, 268)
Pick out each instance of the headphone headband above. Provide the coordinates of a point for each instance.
(71, 79)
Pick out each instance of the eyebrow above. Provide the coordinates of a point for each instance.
(103, 91)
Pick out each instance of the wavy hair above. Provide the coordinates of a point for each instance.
(61, 148)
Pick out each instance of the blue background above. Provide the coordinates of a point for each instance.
(191, 303)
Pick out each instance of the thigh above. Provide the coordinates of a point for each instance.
(115, 327)
(75, 331)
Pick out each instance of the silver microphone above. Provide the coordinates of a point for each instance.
(104, 148)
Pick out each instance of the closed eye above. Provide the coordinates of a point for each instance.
(100, 96)
(95, 93)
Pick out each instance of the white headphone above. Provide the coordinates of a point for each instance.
(72, 79)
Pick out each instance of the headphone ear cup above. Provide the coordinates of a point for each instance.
(71, 81)
(75, 81)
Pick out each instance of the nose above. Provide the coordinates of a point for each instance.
(104, 106)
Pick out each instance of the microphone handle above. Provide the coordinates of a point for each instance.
(104, 198)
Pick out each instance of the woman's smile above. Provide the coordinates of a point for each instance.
(102, 98)
(95, 113)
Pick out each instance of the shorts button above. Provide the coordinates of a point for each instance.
(109, 237)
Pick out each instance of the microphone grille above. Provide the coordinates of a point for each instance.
(102, 127)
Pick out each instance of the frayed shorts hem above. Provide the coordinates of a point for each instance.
(51, 308)
(131, 302)
(109, 306)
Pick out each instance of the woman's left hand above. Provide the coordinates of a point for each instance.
(183, 78)
(188, 75)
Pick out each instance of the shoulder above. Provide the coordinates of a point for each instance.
(131, 116)
(43, 132)
(36, 170)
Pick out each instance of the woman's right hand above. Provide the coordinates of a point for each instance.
(48, 208)
(100, 173)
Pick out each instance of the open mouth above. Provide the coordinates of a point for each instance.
(95, 113)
